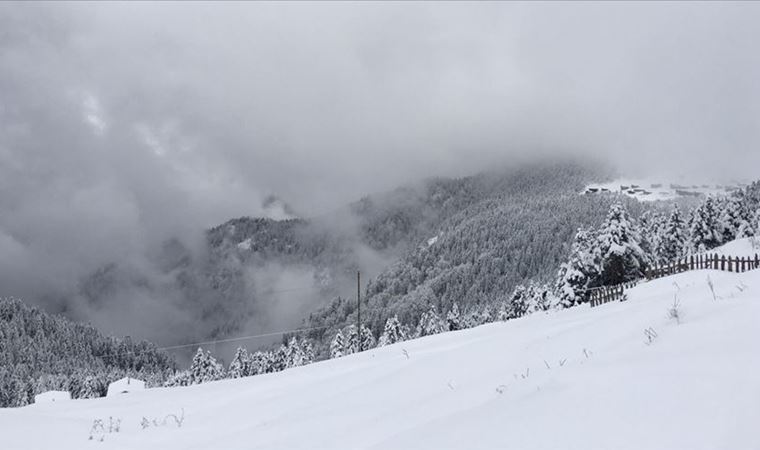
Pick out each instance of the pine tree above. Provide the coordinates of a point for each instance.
(430, 323)
(471, 318)
(486, 315)
(453, 320)
(294, 354)
(338, 345)
(308, 352)
(278, 359)
(704, 228)
(518, 302)
(538, 299)
(580, 272)
(240, 365)
(672, 237)
(180, 378)
(392, 332)
(651, 226)
(260, 362)
(618, 242)
(502, 313)
(732, 217)
(352, 340)
(367, 339)
(205, 368)
(91, 388)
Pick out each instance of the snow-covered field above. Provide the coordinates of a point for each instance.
(576, 379)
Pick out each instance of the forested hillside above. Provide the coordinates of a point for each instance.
(41, 352)
(514, 228)
(264, 273)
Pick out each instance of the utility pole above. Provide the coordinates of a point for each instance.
(359, 308)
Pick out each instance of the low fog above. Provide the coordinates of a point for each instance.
(124, 125)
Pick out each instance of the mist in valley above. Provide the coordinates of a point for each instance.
(130, 134)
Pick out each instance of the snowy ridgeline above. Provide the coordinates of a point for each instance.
(674, 367)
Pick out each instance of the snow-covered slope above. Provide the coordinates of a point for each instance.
(576, 379)
(741, 248)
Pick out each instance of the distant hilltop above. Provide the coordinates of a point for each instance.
(646, 190)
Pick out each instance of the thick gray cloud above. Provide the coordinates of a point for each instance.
(124, 124)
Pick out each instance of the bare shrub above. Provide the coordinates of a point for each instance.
(674, 312)
(177, 419)
(712, 287)
(98, 429)
(650, 334)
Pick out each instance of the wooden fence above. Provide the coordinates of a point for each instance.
(704, 261)
(605, 294)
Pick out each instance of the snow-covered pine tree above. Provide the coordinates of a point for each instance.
(650, 230)
(618, 241)
(91, 388)
(672, 240)
(736, 216)
(308, 351)
(205, 368)
(351, 340)
(502, 313)
(392, 332)
(471, 317)
(518, 302)
(579, 272)
(486, 316)
(240, 365)
(704, 227)
(180, 378)
(294, 355)
(453, 319)
(368, 339)
(529, 295)
(260, 362)
(539, 299)
(750, 227)
(337, 345)
(430, 323)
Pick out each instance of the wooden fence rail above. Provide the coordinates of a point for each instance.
(704, 261)
(605, 294)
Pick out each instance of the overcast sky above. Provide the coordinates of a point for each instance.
(122, 124)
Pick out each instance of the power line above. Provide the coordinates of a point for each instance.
(241, 338)
(216, 341)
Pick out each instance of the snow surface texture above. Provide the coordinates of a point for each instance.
(740, 248)
(649, 190)
(620, 376)
(52, 396)
(125, 385)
